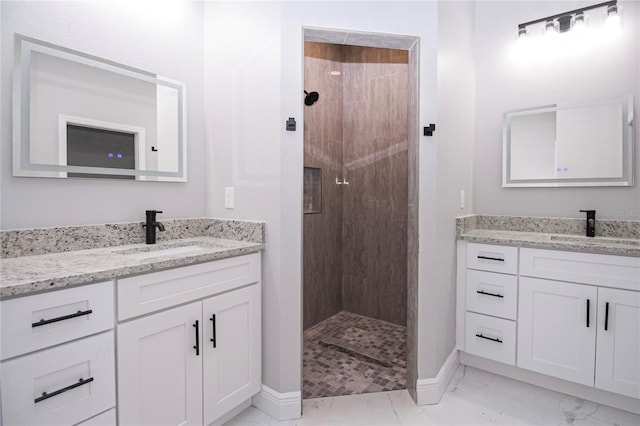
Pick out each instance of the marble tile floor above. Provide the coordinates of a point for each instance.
(474, 397)
(350, 354)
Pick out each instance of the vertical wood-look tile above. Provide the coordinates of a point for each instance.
(375, 203)
(323, 149)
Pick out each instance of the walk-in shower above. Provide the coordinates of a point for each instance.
(355, 226)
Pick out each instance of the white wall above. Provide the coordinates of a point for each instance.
(132, 33)
(602, 70)
(245, 139)
(455, 147)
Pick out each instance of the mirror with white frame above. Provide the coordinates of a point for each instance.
(571, 144)
(78, 115)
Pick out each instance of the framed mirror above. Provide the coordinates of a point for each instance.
(572, 144)
(77, 115)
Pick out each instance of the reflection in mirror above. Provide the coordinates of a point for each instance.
(576, 144)
(77, 115)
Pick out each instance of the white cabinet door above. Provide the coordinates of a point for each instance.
(618, 349)
(159, 371)
(557, 329)
(232, 367)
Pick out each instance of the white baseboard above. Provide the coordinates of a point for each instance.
(280, 406)
(429, 391)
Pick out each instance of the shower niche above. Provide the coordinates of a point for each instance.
(312, 199)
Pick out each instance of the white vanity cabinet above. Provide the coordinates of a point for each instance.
(568, 315)
(189, 342)
(566, 329)
(58, 362)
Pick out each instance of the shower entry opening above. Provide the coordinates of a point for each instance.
(359, 226)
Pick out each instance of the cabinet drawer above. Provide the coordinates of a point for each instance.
(498, 341)
(486, 257)
(151, 292)
(57, 371)
(68, 314)
(492, 294)
(588, 268)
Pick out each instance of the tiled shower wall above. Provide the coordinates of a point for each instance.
(360, 125)
(322, 272)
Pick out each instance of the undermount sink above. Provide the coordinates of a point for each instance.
(141, 255)
(596, 240)
(171, 249)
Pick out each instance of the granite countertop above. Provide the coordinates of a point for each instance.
(26, 274)
(568, 242)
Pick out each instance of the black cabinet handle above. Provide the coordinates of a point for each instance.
(197, 346)
(62, 318)
(491, 258)
(46, 395)
(489, 338)
(606, 316)
(489, 294)
(588, 303)
(213, 337)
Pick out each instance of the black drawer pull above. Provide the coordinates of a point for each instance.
(489, 338)
(489, 294)
(491, 258)
(197, 346)
(46, 395)
(606, 316)
(213, 337)
(62, 318)
(588, 309)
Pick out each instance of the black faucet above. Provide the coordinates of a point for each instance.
(591, 222)
(151, 224)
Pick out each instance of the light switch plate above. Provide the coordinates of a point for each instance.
(228, 197)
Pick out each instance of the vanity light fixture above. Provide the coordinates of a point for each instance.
(563, 22)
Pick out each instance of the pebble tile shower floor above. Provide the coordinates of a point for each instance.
(349, 354)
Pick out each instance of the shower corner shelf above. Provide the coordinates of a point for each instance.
(312, 200)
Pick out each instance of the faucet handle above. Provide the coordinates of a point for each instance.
(589, 212)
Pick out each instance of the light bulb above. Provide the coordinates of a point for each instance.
(523, 41)
(612, 22)
(613, 18)
(550, 29)
(579, 23)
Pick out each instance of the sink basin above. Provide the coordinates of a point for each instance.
(596, 240)
(170, 251)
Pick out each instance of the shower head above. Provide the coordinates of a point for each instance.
(310, 98)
